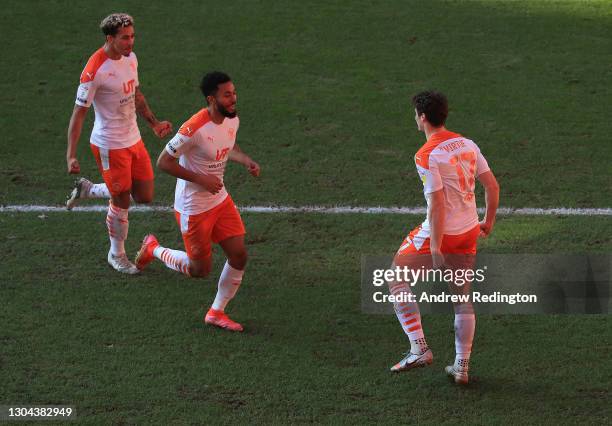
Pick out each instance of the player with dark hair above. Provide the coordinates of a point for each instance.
(110, 82)
(205, 212)
(448, 165)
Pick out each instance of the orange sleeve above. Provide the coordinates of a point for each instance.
(93, 64)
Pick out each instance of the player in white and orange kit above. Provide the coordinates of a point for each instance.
(110, 82)
(448, 165)
(204, 210)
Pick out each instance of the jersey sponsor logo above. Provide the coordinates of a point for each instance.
(83, 93)
(221, 154)
(175, 143)
(216, 165)
(128, 87)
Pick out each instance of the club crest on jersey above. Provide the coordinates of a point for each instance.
(231, 133)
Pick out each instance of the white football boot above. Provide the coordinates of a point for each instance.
(81, 186)
(122, 264)
(413, 361)
(460, 376)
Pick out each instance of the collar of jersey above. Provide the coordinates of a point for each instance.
(442, 136)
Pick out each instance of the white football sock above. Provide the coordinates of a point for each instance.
(99, 190)
(96, 190)
(409, 317)
(117, 225)
(229, 282)
(465, 325)
(174, 259)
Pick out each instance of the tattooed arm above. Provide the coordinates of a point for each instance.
(160, 128)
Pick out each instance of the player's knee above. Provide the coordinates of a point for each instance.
(143, 198)
(199, 270)
(239, 259)
(121, 200)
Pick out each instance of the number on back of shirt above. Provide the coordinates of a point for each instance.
(465, 164)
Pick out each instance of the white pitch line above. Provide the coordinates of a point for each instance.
(504, 211)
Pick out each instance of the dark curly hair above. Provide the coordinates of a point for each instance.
(433, 104)
(211, 81)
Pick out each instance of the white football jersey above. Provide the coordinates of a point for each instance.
(111, 86)
(451, 162)
(202, 147)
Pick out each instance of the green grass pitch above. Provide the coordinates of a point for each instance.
(324, 92)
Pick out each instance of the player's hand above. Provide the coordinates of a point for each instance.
(73, 166)
(210, 182)
(253, 168)
(162, 129)
(485, 229)
(437, 260)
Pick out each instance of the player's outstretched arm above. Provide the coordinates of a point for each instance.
(487, 179)
(237, 155)
(160, 128)
(436, 213)
(74, 133)
(169, 164)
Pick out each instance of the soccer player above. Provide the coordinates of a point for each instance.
(110, 82)
(204, 211)
(448, 165)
